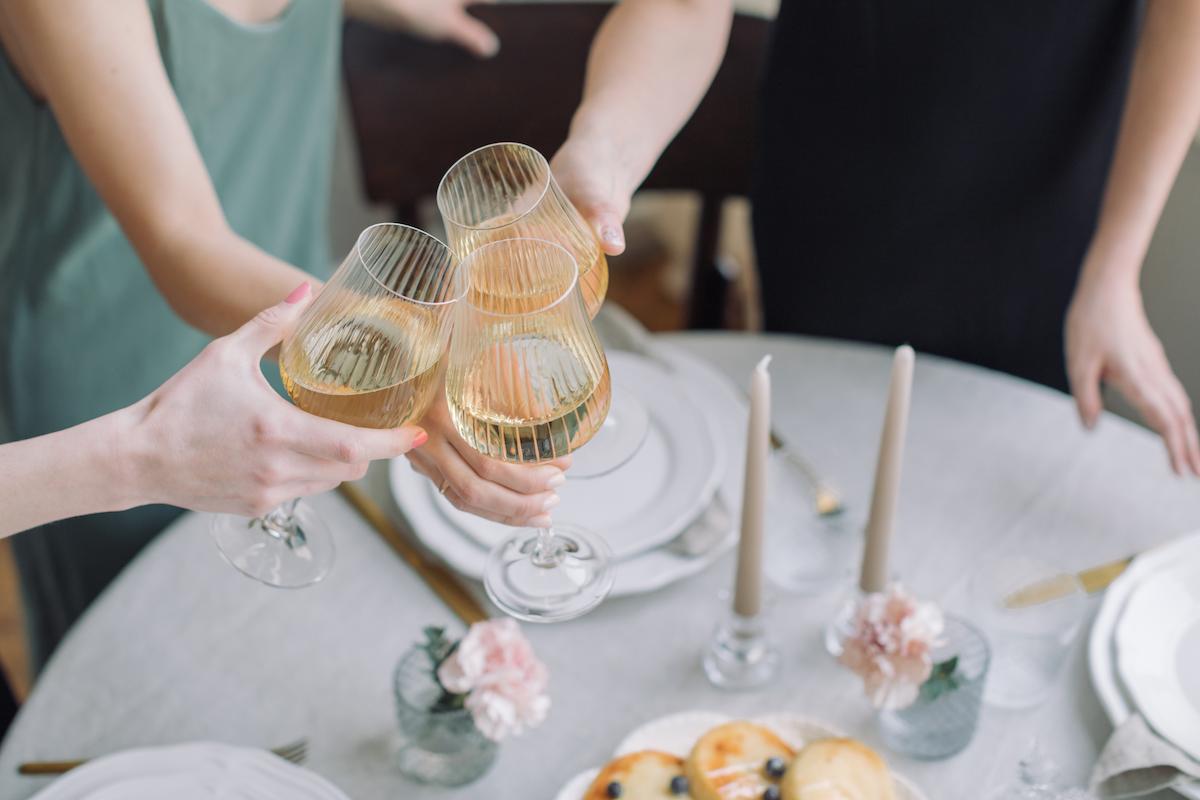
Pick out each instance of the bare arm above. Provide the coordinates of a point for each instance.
(215, 437)
(97, 63)
(650, 65)
(1108, 336)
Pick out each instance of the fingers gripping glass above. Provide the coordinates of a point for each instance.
(367, 352)
(526, 383)
(506, 191)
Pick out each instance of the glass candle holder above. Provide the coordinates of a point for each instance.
(945, 715)
(437, 746)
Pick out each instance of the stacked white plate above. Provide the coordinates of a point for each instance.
(1144, 651)
(195, 771)
(690, 461)
(677, 734)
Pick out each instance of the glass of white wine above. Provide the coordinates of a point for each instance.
(507, 191)
(367, 352)
(527, 382)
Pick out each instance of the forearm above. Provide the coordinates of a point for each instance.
(81, 470)
(650, 65)
(214, 279)
(1162, 112)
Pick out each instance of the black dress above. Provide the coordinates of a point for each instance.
(930, 170)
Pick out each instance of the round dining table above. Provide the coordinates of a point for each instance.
(182, 647)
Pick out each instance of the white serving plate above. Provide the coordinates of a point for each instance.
(725, 409)
(677, 733)
(194, 771)
(647, 501)
(1113, 696)
(1158, 653)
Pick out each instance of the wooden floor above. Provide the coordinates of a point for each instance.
(650, 280)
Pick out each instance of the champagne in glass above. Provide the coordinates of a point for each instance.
(506, 191)
(527, 382)
(367, 352)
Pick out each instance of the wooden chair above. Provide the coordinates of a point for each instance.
(418, 106)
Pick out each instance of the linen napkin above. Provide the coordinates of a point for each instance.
(1137, 761)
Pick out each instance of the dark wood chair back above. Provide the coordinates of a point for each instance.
(418, 106)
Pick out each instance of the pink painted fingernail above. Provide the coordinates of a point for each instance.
(556, 480)
(541, 521)
(551, 502)
(611, 235)
(298, 294)
(421, 438)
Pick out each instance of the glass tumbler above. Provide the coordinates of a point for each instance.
(1031, 612)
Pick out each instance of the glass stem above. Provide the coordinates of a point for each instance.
(281, 523)
(547, 549)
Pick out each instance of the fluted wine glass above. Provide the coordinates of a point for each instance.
(367, 352)
(507, 191)
(527, 382)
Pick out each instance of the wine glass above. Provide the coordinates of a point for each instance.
(527, 382)
(506, 191)
(367, 352)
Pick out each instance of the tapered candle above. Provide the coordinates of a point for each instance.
(747, 594)
(874, 577)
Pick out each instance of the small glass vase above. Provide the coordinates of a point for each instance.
(943, 719)
(440, 747)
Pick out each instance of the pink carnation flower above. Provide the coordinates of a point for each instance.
(505, 683)
(890, 646)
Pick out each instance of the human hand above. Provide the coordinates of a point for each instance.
(436, 20)
(217, 437)
(1109, 339)
(512, 494)
(591, 173)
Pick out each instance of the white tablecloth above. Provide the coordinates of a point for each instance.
(183, 647)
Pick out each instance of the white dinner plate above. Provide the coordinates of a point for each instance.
(678, 733)
(1102, 662)
(194, 771)
(723, 407)
(647, 501)
(1158, 653)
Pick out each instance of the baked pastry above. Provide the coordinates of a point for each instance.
(644, 775)
(737, 761)
(838, 769)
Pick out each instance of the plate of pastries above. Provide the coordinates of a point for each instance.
(700, 755)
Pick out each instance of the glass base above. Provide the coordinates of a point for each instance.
(565, 581)
(618, 440)
(741, 656)
(280, 550)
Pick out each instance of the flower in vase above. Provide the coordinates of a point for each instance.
(504, 682)
(891, 645)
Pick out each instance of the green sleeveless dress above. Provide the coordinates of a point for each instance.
(83, 331)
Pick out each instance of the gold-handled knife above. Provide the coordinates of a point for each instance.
(1092, 580)
(443, 582)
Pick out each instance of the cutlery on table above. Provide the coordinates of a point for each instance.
(1093, 580)
(625, 333)
(294, 752)
(706, 532)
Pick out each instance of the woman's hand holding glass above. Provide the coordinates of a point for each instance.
(217, 437)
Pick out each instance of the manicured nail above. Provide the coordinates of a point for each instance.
(556, 480)
(298, 294)
(611, 235)
(551, 502)
(541, 521)
(421, 438)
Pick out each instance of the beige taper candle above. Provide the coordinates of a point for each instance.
(882, 519)
(747, 593)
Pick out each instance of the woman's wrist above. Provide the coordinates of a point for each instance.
(123, 453)
(592, 132)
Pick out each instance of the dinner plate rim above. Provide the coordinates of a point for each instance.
(1101, 658)
(80, 783)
